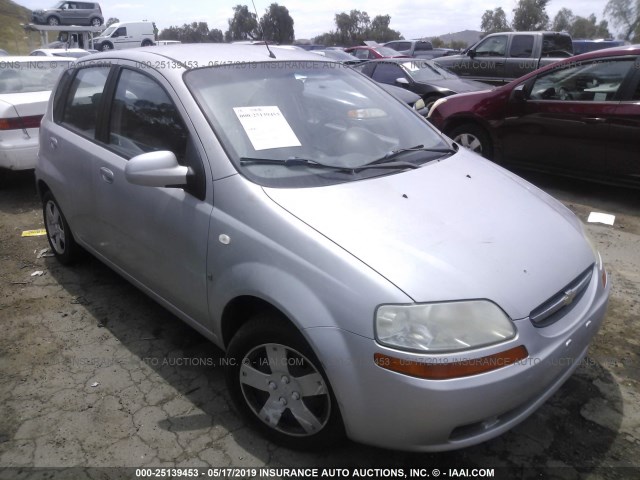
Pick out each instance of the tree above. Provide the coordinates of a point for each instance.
(216, 35)
(195, 32)
(111, 21)
(437, 42)
(277, 25)
(355, 27)
(530, 15)
(380, 31)
(243, 25)
(625, 14)
(494, 21)
(580, 27)
(563, 20)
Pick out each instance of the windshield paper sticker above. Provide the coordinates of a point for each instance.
(266, 127)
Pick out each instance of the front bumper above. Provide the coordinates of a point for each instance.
(395, 411)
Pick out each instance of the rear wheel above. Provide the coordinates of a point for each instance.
(474, 138)
(53, 21)
(147, 43)
(59, 234)
(279, 386)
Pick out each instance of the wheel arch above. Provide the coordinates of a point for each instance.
(456, 121)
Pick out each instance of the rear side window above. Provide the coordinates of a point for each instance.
(555, 45)
(521, 46)
(144, 119)
(423, 46)
(399, 45)
(83, 99)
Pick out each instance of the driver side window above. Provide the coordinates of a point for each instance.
(595, 81)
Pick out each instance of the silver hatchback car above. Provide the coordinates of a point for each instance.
(365, 276)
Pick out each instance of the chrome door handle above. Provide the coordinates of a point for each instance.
(106, 174)
(53, 143)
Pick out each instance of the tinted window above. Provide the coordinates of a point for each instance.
(81, 107)
(554, 45)
(387, 73)
(144, 119)
(423, 46)
(399, 45)
(594, 81)
(521, 46)
(121, 32)
(492, 47)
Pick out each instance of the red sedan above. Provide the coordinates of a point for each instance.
(578, 117)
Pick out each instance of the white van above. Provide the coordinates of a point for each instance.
(126, 35)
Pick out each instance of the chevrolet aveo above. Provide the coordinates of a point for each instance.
(364, 276)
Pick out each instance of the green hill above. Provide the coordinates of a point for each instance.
(13, 38)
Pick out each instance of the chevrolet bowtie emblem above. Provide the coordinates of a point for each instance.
(569, 296)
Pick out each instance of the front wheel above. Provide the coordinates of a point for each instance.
(147, 43)
(105, 47)
(53, 21)
(474, 138)
(279, 386)
(59, 234)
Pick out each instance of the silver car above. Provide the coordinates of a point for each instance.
(365, 276)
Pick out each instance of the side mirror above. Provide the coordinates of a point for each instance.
(518, 94)
(401, 82)
(156, 169)
(471, 53)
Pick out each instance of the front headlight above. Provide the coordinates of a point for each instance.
(442, 327)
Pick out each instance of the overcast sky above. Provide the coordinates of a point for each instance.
(413, 18)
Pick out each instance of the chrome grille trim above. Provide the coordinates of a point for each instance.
(545, 314)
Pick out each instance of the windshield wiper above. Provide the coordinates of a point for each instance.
(386, 159)
(293, 162)
(306, 162)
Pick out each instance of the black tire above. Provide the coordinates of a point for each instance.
(95, 22)
(106, 46)
(147, 43)
(53, 21)
(61, 240)
(474, 138)
(270, 365)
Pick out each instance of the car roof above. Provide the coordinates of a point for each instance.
(202, 55)
(58, 50)
(30, 59)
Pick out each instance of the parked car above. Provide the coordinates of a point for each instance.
(359, 269)
(422, 77)
(70, 13)
(579, 117)
(3, 53)
(502, 57)
(419, 49)
(339, 56)
(588, 45)
(367, 52)
(126, 35)
(59, 52)
(25, 88)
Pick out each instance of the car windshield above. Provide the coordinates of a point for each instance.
(108, 31)
(308, 123)
(426, 71)
(387, 52)
(35, 76)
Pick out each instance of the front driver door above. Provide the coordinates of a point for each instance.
(157, 236)
(564, 124)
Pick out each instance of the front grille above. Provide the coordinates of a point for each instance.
(562, 302)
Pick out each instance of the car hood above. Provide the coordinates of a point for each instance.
(462, 228)
(24, 104)
(460, 85)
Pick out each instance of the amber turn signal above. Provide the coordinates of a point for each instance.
(444, 371)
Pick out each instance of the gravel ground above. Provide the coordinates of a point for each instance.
(95, 374)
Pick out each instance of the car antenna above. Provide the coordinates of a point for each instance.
(266, 44)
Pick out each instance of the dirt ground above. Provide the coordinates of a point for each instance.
(95, 374)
